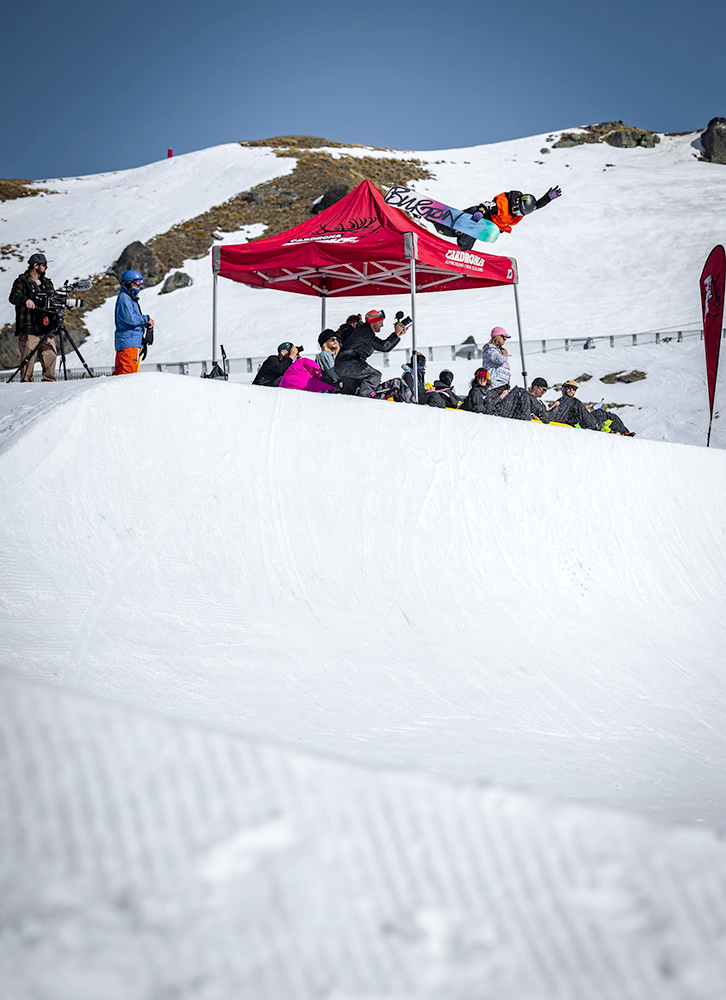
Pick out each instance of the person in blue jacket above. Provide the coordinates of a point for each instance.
(131, 324)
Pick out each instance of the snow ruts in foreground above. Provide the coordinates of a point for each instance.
(141, 858)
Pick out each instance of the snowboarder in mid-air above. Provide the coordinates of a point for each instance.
(506, 210)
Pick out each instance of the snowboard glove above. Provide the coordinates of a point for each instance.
(554, 192)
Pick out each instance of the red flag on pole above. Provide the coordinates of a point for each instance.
(712, 288)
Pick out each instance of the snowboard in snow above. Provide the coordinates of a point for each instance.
(435, 211)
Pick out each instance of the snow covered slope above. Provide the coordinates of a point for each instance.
(307, 697)
(142, 859)
(620, 252)
(484, 599)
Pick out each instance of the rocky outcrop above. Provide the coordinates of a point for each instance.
(614, 133)
(332, 194)
(714, 140)
(138, 257)
(628, 138)
(179, 279)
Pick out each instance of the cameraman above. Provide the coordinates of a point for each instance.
(31, 323)
(131, 324)
(351, 364)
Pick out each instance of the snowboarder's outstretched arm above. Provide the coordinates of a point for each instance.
(554, 192)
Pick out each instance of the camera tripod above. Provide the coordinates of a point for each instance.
(57, 328)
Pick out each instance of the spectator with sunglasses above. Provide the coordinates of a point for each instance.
(572, 411)
(130, 324)
(329, 344)
(351, 364)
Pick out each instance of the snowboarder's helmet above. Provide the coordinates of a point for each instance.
(37, 258)
(446, 377)
(528, 203)
(132, 276)
(481, 373)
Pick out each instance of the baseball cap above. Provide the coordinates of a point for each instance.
(286, 346)
(571, 382)
(373, 315)
(540, 382)
(499, 331)
(37, 258)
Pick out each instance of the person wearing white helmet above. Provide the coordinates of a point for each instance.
(133, 328)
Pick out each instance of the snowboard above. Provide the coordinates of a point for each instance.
(436, 212)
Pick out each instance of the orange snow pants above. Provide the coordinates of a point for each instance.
(127, 361)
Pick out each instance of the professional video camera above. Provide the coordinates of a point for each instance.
(400, 318)
(60, 299)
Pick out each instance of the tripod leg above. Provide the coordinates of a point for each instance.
(29, 359)
(61, 331)
(75, 348)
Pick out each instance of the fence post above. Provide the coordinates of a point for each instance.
(635, 340)
(544, 346)
(567, 343)
(453, 352)
(680, 337)
(657, 338)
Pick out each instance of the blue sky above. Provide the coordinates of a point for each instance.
(118, 84)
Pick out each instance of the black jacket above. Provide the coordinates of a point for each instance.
(362, 342)
(444, 392)
(28, 321)
(272, 370)
(539, 410)
(476, 401)
(572, 411)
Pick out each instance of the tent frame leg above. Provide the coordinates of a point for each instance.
(519, 334)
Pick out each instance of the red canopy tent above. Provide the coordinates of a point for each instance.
(360, 244)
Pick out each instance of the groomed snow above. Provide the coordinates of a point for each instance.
(532, 605)
(142, 859)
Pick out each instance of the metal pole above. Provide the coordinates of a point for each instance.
(519, 333)
(216, 259)
(322, 316)
(410, 245)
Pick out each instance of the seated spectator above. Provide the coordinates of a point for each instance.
(495, 358)
(538, 388)
(476, 400)
(273, 368)
(609, 422)
(521, 404)
(329, 343)
(572, 411)
(442, 395)
(304, 373)
(421, 371)
(345, 329)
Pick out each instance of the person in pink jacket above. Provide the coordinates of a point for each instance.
(305, 374)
